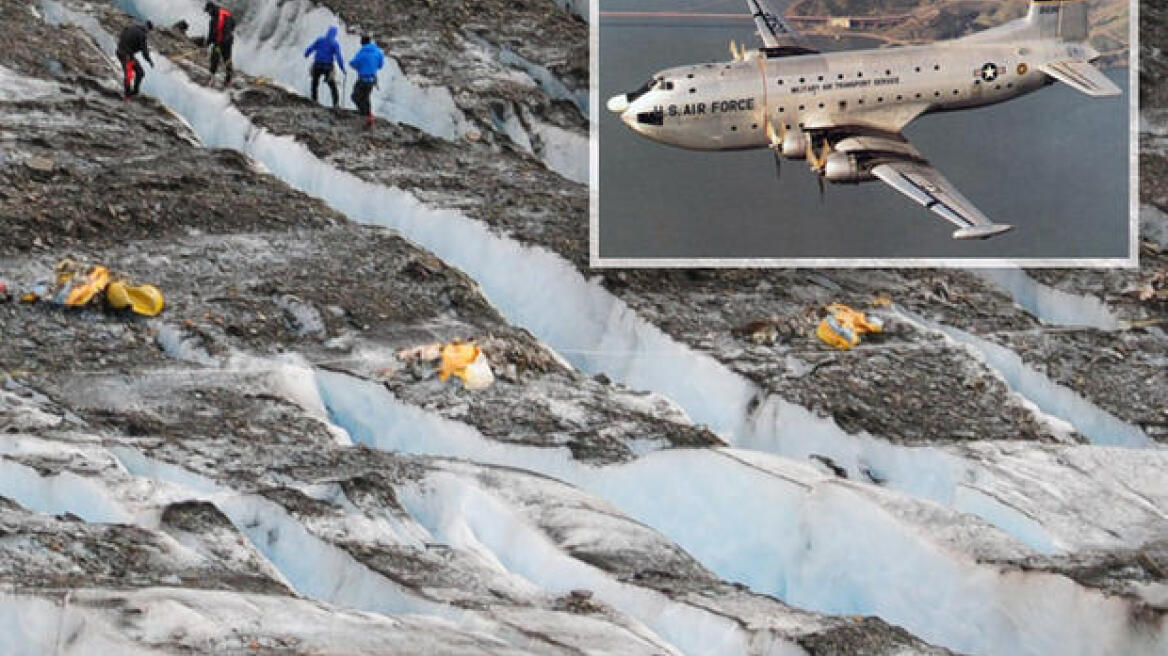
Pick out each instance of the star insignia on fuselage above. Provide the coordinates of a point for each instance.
(989, 72)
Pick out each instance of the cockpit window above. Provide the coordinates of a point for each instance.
(644, 88)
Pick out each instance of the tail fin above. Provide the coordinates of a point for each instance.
(1061, 20)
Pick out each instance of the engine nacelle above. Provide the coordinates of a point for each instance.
(842, 167)
(794, 145)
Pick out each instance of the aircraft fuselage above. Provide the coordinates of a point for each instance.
(725, 106)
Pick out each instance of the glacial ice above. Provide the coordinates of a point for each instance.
(1094, 423)
(578, 318)
(1051, 306)
(95, 621)
(1031, 610)
(35, 625)
(57, 494)
(16, 87)
(467, 516)
(309, 564)
(532, 73)
(1154, 225)
(179, 346)
(443, 503)
(812, 540)
(564, 151)
(270, 41)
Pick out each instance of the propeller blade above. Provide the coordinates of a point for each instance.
(812, 156)
(734, 51)
(817, 160)
(819, 179)
(778, 164)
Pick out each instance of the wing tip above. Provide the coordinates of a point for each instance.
(1108, 93)
(982, 231)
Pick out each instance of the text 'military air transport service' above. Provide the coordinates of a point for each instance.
(843, 112)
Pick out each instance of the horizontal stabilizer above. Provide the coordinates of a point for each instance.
(982, 232)
(1082, 76)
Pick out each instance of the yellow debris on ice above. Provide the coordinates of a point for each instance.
(466, 362)
(142, 299)
(842, 329)
(78, 285)
(79, 292)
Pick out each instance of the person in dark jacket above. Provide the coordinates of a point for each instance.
(327, 49)
(220, 36)
(366, 62)
(132, 41)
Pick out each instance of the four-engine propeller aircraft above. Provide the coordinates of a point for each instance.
(844, 111)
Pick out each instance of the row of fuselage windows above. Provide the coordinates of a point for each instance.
(899, 97)
(859, 74)
(818, 78)
(843, 103)
(997, 87)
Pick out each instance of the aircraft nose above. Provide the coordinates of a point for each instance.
(629, 118)
(618, 103)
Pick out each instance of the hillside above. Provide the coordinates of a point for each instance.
(929, 20)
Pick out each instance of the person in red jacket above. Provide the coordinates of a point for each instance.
(132, 41)
(220, 36)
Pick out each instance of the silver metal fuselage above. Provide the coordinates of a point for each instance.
(725, 106)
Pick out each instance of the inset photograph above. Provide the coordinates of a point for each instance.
(923, 132)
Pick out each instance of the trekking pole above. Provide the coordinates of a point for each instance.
(344, 85)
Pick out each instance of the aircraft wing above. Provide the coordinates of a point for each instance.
(777, 36)
(892, 159)
(1082, 76)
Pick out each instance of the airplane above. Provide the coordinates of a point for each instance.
(843, 112)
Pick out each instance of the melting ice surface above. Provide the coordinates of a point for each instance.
(16, 87)
(580, 318)
(453, 511)
(1052, 306)
(784, 529)
(804, 542)
(1094, 423)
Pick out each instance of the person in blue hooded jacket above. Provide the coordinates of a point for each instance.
(368, 60)
(327, 49)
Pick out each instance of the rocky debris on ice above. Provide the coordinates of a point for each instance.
(204, 440)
